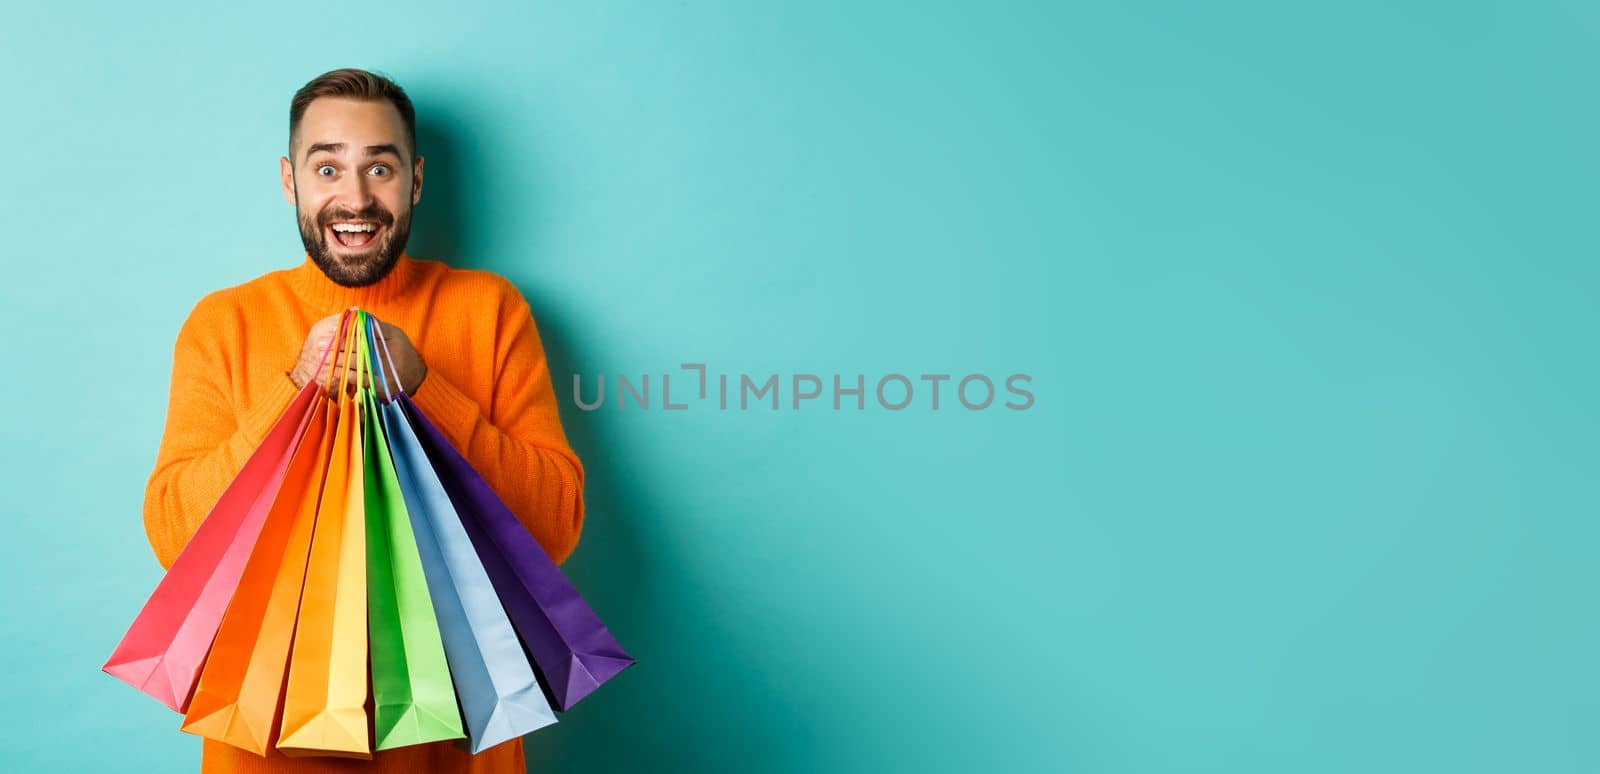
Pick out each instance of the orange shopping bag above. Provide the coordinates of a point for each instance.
(324, 710)
(241, 685)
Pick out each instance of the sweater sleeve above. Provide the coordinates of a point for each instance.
(206, 441)
(521, 448)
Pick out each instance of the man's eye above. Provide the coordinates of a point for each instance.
(383, 167)
(324, 166)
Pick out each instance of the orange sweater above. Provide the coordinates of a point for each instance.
(487, 388)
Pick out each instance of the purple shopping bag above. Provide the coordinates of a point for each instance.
(575, 652)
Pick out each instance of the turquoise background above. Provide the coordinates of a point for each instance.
(1307, 293)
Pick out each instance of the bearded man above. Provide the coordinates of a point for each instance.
(463, 342)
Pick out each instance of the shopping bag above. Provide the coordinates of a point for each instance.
(413, 697)
(241, 685)
(324, 711)
(163, 649)
(574, 651)
(499, 694)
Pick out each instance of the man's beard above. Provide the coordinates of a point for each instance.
(355, 269)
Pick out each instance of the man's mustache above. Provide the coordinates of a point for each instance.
(379, 216)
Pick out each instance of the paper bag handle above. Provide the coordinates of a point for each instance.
(383, 344)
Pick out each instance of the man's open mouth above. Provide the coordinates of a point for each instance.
(355, 234)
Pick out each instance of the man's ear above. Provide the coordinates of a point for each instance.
(416, 181)
(286, 172)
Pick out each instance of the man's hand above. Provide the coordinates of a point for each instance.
(408, 363)
(317, 342)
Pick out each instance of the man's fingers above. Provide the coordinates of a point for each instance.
(350, 388)
(347, 374)
(335, 376)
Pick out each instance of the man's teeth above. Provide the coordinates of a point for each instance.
(353, 227)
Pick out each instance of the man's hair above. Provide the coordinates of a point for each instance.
(354, 83)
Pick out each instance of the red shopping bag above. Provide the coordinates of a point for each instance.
(163, 649)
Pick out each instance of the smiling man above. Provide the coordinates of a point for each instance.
(464, 342)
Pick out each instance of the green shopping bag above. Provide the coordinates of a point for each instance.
(414, 700)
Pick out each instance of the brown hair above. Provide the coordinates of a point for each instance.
(358, 84)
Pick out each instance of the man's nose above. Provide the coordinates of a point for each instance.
(356, 192)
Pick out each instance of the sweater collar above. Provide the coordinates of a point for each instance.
(315, 287)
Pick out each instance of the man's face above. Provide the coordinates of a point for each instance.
(351, 166)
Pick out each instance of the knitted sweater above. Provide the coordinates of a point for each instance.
(487, 388)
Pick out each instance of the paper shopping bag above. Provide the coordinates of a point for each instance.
(324, 710)
(163, 649)
(241, 685)
(499, 693)
(413, 697)
(575, 652)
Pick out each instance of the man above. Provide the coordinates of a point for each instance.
(464, 344)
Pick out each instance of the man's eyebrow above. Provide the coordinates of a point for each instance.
(335, 147)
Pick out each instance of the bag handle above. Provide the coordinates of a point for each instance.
(349, 349)
(377, 363)
(364, 352)
(383, 343)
